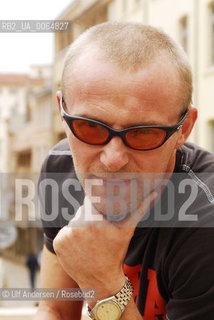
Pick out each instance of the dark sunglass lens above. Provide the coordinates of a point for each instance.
(145, 138)
(90, 132)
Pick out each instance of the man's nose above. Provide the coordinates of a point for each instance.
(114, 155)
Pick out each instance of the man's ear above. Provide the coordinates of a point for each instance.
(58, 96)
(187, 126)
(64, 124)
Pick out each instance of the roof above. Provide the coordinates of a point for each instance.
(19, 79)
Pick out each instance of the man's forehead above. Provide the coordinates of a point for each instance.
(94, 65)
(93, 75)
(124, 102)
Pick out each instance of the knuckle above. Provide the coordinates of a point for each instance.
(59, 240)
(55, 245)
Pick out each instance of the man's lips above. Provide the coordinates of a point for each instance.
(112, 181)
(114, 178)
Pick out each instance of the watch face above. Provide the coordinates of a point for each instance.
(108, 311)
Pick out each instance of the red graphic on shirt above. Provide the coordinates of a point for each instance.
(155, 304)
(133, 273)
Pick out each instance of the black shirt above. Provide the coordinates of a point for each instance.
(170, 260)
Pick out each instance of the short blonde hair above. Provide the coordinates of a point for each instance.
(131, 46)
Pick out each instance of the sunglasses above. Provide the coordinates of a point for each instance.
(141, 137)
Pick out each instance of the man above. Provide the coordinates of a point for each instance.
(126, 108)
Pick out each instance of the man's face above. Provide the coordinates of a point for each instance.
(99, 90)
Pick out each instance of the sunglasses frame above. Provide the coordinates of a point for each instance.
(121, 133)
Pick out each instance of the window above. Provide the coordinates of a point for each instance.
(61, 136)
(124, 4)
(12, 91)
(137, 3)
(28, 112)
(212, 135)
(184, 32)
(24, 159)
(212, 31)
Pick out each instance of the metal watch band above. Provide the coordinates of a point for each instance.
(124, 295)
(90, 313)
(121, 298)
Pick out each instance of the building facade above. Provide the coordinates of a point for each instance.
(27, 136)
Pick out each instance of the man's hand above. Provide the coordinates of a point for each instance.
(92, 253)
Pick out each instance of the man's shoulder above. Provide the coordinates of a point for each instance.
(59, 158)
(191, 157)
(196, 174)
(61, 148)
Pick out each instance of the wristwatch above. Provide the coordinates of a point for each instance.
(112, 308)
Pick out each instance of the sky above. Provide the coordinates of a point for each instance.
(20, 50)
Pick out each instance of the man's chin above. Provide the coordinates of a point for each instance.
(117, 217)
(114, 213)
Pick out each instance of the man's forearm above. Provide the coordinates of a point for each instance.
(46, 314)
